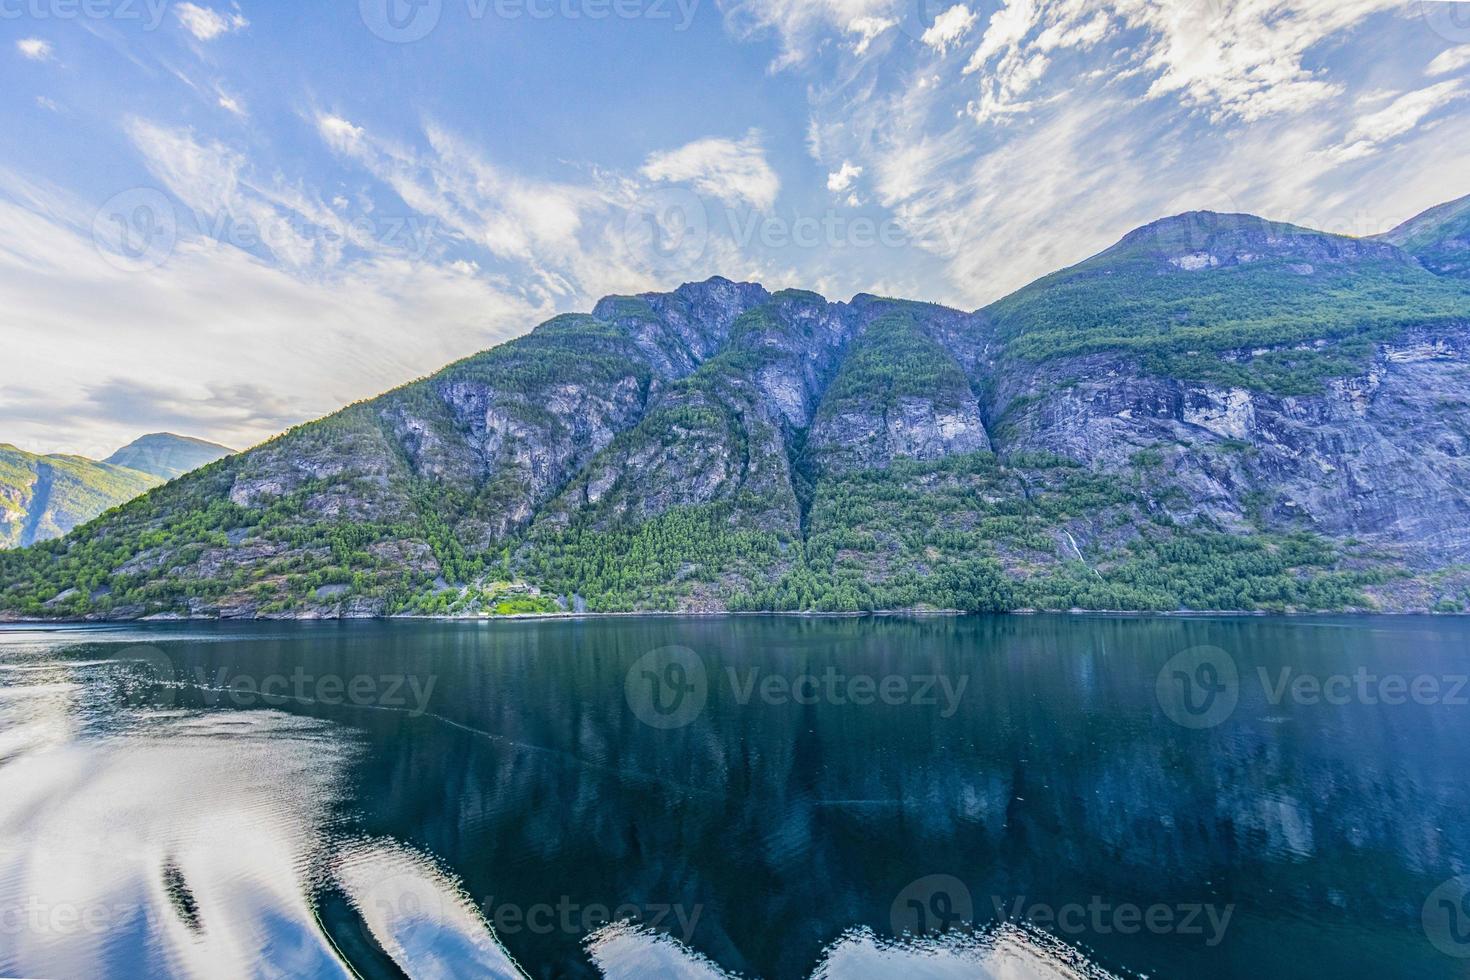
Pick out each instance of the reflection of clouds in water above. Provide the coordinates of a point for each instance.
(623, 951)
(419, 917)
(186, 853)
(627, 952)
(193, 844)
(1006, 952)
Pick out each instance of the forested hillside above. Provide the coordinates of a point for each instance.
(1218, 412)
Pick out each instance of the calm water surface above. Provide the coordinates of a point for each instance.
(772, 797)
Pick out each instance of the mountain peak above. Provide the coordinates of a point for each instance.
(1439, 238)
(1197, 240)
(167, 455)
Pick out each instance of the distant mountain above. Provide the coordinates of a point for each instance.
(1439, 238)
(46, 496)
(167, 455)
(1218, 412)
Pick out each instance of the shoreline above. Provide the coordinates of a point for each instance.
(724, 614)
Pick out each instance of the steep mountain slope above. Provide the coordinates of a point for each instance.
(1439, 238)
(167, 455)
(1218, 412)
(44, 497)
(1256, 376)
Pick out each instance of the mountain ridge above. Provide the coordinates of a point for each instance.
(166, 454)
(1215, 412)
(46, 496)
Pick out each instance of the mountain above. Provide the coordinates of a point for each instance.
(1439, 238)
(167, 455)
(46, 496)
(1218, 412)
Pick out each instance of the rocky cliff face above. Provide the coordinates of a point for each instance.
(1380, 455)
(1217, 411)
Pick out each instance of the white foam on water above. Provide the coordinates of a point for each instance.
(419, 915)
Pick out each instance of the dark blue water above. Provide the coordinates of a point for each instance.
(775, 797)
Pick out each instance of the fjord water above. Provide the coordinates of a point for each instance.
(977, 796)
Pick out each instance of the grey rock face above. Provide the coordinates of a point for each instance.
(1383, 456)
(1200, 240)
(902, 392)
(917, 428)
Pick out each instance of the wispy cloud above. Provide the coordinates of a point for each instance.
(1450, 61)
(34, 48)
(570, 241)
(1400, 116)
(231, 104)
(948, 28)
(215, 341)
(799, 25)
(733, 171)
(206, 23)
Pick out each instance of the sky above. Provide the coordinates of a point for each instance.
(225, 218)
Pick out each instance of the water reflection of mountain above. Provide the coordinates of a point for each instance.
(1057, 779)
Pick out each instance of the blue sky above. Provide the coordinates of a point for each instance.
(225, 218)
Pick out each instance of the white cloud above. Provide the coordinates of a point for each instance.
(231, 104)
(339, 134)
(297, 347)
(1400, 116)
(734, 171)
(868, 29)
(949, 27)
(1450, 61)
(800, 24)
(34, 48)
(226, 200)
(843, 178)
(206, 24)
(566, 243)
